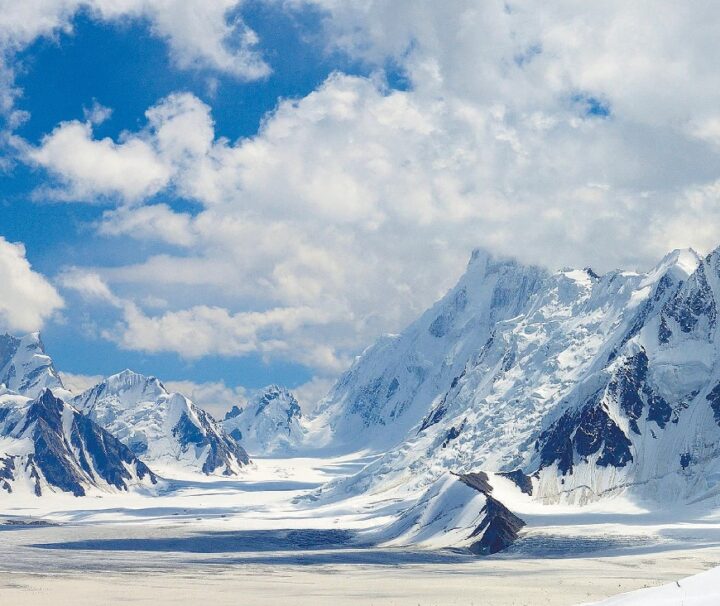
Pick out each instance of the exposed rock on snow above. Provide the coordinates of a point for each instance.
(165, 429)
(578, 384)
(456, 511)
(270, 423)
(46, 445)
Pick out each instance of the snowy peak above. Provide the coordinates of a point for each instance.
(127, 388)
(271, 422)
(680, 263)
(46, 445)
(163, 428)
(391, 387)
(25, 368)
(583, 384)
(692, 312)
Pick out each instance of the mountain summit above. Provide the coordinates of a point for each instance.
(163, 428)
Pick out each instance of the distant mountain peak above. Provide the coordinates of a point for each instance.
(166, 429)
(50, 446)
(25, 367)
(269, 423)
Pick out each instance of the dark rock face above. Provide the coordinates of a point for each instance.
(584, 432)
(714, 398)
(222, 448)
(500, 527)
(235, 411)
(632, 391)
(691, 303)
(437, 413)
(73, 457)
(453, 433)
(477, 480)
(522, 481)
(7, 473)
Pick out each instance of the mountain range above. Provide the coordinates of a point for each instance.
(519, 384)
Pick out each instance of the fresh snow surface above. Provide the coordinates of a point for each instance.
(392, 385)
(700, 590)
(259, 536)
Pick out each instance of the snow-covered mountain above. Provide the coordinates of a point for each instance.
(46, 445)
(455, 511)
(269, 423)
(393, 384)
(588, 386)
(164, 429)
(25, 368)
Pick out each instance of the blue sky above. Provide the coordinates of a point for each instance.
(124, 67)
(243, 192)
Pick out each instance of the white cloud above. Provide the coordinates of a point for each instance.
(203, 330)
(156, 222)
(564, 136)
(214, 396)
(28, 299)
(88, 284)
(97, 113)
(310, 393)
(89, 168)
(199, 33)
(77, 383)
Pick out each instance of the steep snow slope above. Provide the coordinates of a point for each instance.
(700, 590)
(391, 386)
(455, 511)
(25, 368)
(647, 419)
(269, 423)
(598, 385)
(165, 429)
(46, 445)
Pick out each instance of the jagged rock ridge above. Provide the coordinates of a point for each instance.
(165, 429)
(270, 423)
(48, 446)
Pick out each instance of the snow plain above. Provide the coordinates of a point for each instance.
(260, 540)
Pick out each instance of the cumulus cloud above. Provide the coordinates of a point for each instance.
(203, 330)
(157, 222)
(214, 396)
(558, 135)
(89, 168)
(28, 299)
(88, 284)
(77, 383)
(199, 33)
